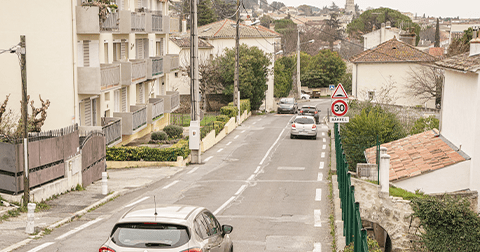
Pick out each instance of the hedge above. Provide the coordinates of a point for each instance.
(173, 131)
(159, 135)
(222, 118)
(229, 111)
(149, 154)
(244, 105)
(216, 125)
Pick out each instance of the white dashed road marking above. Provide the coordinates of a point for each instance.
(316, 217)
(171, 184)
(324, 140)
(136, 202)
(193, 170)
(291, 168)
(242, 131)
(322, 164)
(229, 143)
(254, 122)
(208, 158)
(236, 136)
(324, 147)
(323, 154)
(318, 195)
(320, 176)
(220, 150)
(317, 247)
(79, 228)
(323, 133)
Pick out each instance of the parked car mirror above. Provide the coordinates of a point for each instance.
(227, 229)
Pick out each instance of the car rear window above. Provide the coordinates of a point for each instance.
(286, 101)
(304, 120)
(150, 235)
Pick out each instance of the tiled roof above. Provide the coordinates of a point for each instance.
(462, 62)
(184, 42)
(414, 155)
(436, 51)
(224, 29)
(393, 50)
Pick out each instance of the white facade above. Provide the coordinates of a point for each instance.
(375, 38)
(369, 79)
(69, 57)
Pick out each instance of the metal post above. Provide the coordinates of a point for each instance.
(357, 238)
(194, 88)
(236, 98)
(298, 84)
(23, 68)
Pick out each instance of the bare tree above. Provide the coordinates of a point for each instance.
(37, 123)
(3, 107)
(425, 83)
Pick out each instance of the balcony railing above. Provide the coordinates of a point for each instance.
(154, 67)
(111, 23)
(139, 70)
(171, 101)
(155, 109)
(94, 80)
(112, 129)
(174, 62)
(157, 24)
(174, 24)
(138, 22)
(110, 75)
(133, 121)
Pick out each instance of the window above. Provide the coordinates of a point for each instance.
(146, 235)
(107, 96)
(201, 227)
(117, 101)
(159, 48)
(212, 224)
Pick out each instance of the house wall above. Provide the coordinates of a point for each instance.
(374, 76)
(50, 57)
(449, 179)
(375, 38)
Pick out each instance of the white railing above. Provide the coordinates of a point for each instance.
(157, 66)
(139, 118)
(111, 23)
(158, 107)
(110, 75)
(157, 23)
(139, 69)
(138, 21)
(175, 99)
(112, 129)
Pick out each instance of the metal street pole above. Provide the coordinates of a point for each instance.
(194, 88)
(298, 87)
(236, 98)
(23, 68)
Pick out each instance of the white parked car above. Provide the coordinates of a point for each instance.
(303, 126)
(305, 96)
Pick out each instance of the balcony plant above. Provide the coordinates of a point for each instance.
(105, 7)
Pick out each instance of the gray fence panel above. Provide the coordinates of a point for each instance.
(45, 175)
(7, 157)
(70, 144)
(93, 159)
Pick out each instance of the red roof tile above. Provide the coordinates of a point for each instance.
(413, 155)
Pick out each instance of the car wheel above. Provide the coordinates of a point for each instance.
(315, 137)
(231, 249)
(292, 137)
(304, 98)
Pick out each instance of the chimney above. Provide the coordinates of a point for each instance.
(382, 33)
(388, 25)
(474, 45)
(184, 26)
(408, 37)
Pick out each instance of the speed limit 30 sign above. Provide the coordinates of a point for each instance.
(339, 108)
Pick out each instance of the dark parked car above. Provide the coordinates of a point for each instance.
(311, 111)
(287, 105)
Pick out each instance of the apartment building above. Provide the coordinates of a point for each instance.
(106, 72)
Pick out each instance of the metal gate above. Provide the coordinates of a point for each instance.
(93, 157)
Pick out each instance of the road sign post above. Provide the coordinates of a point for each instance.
(339, 106)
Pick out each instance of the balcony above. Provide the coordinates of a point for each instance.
(171, 63)
(137, 22)
(154, 67)
(87, 19)
(94, 80)
(133, 71)
(133, 121)
(171, 101)
(174, 25)
(155, 109)
(157, 23)
(112, 23)
(112, 129)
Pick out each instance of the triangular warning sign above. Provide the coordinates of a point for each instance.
(339, 92)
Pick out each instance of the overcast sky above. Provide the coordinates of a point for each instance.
(435, 8)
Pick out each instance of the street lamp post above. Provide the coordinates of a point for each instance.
(299, 84)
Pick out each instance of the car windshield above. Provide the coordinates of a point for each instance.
(148, 235)
(286, 101)
(304, 120)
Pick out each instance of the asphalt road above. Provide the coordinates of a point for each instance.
(270, 188)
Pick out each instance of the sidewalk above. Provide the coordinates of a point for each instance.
(76, 203)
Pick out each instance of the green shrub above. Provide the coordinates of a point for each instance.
(229, 111)
(216, 125)
(174, 131)
(372, 246)
(222, 118)
(424, 124)
(148, 154)
(159, 135)
(244, 105)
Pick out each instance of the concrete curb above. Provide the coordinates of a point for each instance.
(65, 220)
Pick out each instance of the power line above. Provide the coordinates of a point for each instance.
(9, 50)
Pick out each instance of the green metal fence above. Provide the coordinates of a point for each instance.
(352, 223)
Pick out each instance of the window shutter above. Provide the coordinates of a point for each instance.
(124, 99)
(117, 101)
(86, 53)
(94, 112)
(88, 112)
(139, 50)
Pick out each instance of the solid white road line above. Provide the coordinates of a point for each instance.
(271, 147)
(193, 170)
(324, 147)
(317, 247)
(171, 184)
(224, 205)
(236, 136)
(220, 150)
(257, 170)
(316, 217)
(324, 140)
(287, 168)
(208, 158)
(318, 194)
(136, 202)
(320, 176)
(322, 164)
(79, 228)
(46, 244)
(242, 188)
(323, 154)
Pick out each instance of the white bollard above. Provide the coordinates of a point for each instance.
(104, 183)
(30, 229)
(384, 173)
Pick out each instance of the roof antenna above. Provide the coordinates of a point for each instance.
(154, 201)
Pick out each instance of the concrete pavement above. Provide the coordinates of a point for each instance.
(73, 204)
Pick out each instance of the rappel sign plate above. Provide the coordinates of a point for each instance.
(339, 92)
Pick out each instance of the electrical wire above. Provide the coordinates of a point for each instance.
(8, 50)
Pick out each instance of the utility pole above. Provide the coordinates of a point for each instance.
(298, 87)
(194, 88)
(23, 68)
(236, 95)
